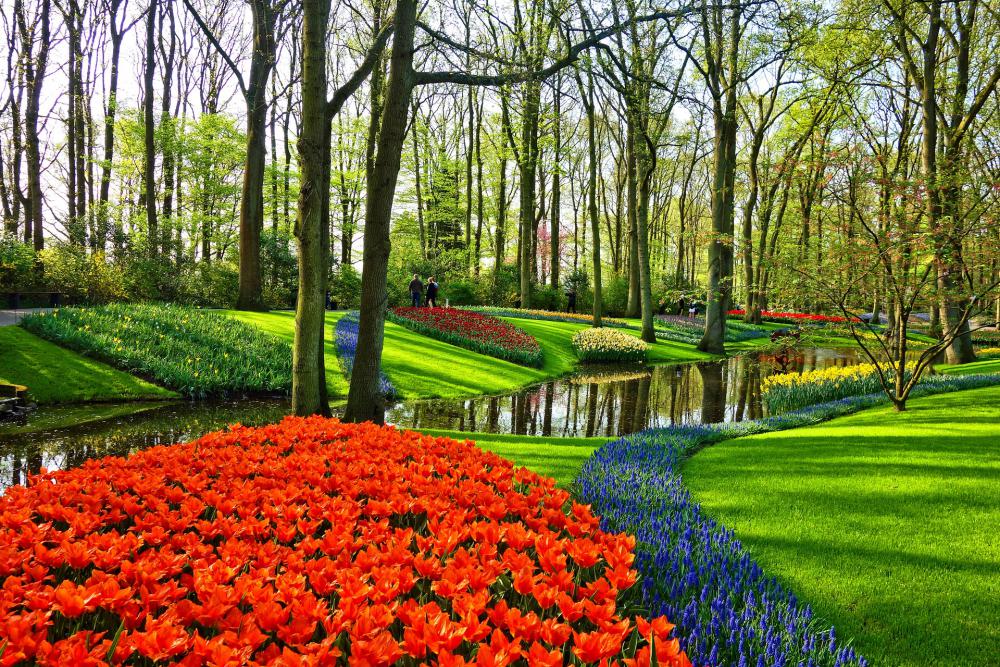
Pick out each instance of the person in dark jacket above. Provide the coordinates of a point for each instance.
(416, 290)
(571, 300)
(432, 293)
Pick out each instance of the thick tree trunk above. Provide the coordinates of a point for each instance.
(646, 166)
(528, 167)
(720, 249)
(111, 108)
(632, 309)
(365, 401)
(149, 138)
(34, 77)
(308, 381)
(556, 190)
(595, 225)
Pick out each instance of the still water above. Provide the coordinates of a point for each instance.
(593, 402)
(615, 401)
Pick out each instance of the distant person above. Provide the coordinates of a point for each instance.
(682, 305)
(432, 292)
(571, 300)
(693, 310)
(416, 291)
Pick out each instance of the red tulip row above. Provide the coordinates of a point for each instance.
(474, 331)
(793, 317)
(314, 542)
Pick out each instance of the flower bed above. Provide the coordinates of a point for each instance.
(989, 337)
(690, 330)
(793, 318)
(791, 391)
(314, 542)
(474, 331)
(728, 611)
(346, 335)
(549, 315)
(191, 351)
(608, 345)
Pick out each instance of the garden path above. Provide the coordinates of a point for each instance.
(9, 318)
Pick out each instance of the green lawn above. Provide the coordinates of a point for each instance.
(983, 366)
(421, 367)
(281, 323)
(560, 458)
(886, 523)
(56, 375)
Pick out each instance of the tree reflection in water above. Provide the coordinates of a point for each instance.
(27, 452)
(596, 401)
(614, 401)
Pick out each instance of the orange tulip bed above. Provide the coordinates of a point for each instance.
(315, 542)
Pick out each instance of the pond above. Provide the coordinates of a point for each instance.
(595, 401)
(615, 401)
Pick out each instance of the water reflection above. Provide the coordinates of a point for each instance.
(609, 402)
(33, 447)
(606, 402)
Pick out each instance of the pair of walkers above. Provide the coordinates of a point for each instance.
(417, 292)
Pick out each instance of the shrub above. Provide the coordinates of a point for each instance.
(545, 297)
(345, 286)
(315, 542)
(473, 331)
(461, 292)
(791, 391)
(608, 345)
(17, 262)
(191, 351)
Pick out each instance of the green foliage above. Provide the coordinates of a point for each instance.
(17, 261)
(615, 295)
(546, 297)
(345, 286)
(85, 278)
(196, 353)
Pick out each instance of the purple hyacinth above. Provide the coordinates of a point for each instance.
(728, 612)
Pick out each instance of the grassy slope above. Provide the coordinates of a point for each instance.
(281, 323)
(984, 366)
(885, 523)
(560, 458)
(56, 375)
(421, 367)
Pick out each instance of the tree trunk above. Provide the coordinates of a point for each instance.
(632, 309)
(365, 401)
(528, 166)
(149, 138)
(308, 383)
(720, 249)
(556, 192)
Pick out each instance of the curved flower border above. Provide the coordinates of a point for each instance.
(694, 570)
(346, 336)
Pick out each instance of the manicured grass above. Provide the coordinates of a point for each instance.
(281, 323)
(560, 458)
(984, 366)
(884, 522)
(57, 375)
(421, 367)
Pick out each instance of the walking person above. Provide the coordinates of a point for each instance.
(432, 292)
(416, 291)
(571, 300)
